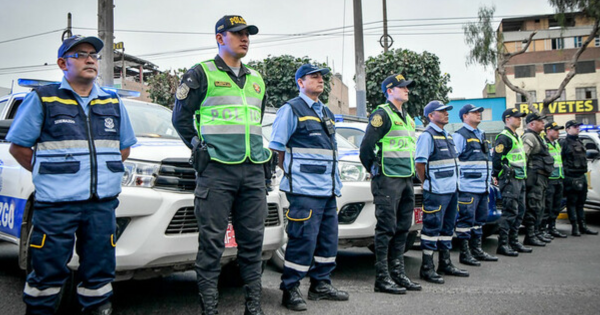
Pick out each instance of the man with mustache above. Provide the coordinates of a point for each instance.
(82, 135)
(219, 106)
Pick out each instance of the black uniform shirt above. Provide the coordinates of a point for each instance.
(573, 156)
(191, 92)
(375, 131)
(502, 146)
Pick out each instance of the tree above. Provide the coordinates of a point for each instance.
(279, 72)
(423, 68)
(487, 46)
(162, 87)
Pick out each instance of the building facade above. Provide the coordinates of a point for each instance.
(338, 96)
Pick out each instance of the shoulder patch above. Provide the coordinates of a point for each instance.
(182, 91)
(377, 121)
(499, 148)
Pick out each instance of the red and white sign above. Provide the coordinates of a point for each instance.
(418, 215)
(230, 237)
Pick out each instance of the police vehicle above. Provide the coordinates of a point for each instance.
(157, 233)
(356, 210)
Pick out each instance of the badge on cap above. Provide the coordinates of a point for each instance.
(377, 121)
(182, 91)
(499, 148)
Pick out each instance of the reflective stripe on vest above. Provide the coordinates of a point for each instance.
(398, 146)
(555, 152)
(230, 117)
(516, 156)
(442, 165)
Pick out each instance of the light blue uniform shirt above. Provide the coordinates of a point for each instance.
(460, 142)
(27, 126)
(425, 144)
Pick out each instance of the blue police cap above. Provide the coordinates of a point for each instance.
(433, 106)
(72, 41)
(395, 80)
(469, 108)
(308, 69)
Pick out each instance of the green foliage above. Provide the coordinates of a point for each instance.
(423, 68)
(162, 87)
(481, 37)
(278, 73)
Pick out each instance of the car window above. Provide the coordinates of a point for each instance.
(588, 143)
(355, 136)
(150, 121)
(2, 106)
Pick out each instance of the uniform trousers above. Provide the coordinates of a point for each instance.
(513, 205)
(536, 198)
(576, 193)
(439, 219)
(472, 214)
(554, 195)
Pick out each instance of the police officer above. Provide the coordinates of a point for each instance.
(221, 101)
(392, 131)
(509, 170)
(436, 163)
(304, 137)
(554, 193)
(539, 167)
(81, 135)
(475, 177)
(575, 166)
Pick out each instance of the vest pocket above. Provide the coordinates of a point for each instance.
(115, 166)
(313, 169)
(444, 174)
(70, 167)
(472, 175)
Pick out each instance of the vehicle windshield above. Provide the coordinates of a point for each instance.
(151, 121)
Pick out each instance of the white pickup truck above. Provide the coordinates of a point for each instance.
(157, 233)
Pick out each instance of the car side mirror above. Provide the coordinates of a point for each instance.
(592, 154)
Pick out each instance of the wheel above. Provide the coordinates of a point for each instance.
(278, 258)
(26, 227)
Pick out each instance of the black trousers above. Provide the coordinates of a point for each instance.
(536, 198)
(513, 205)
(554, 195)
(394, 199)
(576, 193)
(223, 190)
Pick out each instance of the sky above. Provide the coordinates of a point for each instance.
(180, 33)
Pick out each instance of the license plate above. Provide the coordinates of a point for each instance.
(230, 237)
(418, 215)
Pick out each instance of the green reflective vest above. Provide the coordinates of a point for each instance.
(398, 146)
(230, 117)
(555, 152)
(516, 156)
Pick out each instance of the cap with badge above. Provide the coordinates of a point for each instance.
(572, 123)
(553, 125)
(395, 80)
(308, 69)
(511, 112)
(469, 108)
(75, 40)
(234, 23)
(435, 106)
(534, 116)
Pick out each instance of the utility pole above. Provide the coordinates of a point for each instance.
(359, 53)
(69, 31)
(385, 33)
(105, 32)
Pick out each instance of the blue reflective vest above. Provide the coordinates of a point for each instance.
(475, 170)
(77, 156)
(442, 165)
(310, 162)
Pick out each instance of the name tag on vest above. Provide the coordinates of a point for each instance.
(222, 84)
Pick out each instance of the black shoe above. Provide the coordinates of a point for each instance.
(554, 232)
(465, 256)
(575, 230)
(504, 248)
(446, 267)
(584, 229)
(209, 300)
(531, 238)
(385, 284)
(104, 309)
(398, 274)
(542, 237)
(477, 251)
(252, 293)
(513, 242)
(323, 290)
(292, 299)
(427, 271)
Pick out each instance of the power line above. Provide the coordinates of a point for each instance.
(29, 36)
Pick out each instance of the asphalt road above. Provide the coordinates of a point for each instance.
(562, 278)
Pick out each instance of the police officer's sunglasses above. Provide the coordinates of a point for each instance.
(84, 55)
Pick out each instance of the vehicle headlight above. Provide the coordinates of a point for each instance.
(353, 172)
(139, 174)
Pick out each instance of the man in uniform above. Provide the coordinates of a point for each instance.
(554, 193)
(437, 167)
(392, 131)
(75, 127)
(539, 166)
(575, 163)
(475, 177)
(303, 135)
(509, 170)
(221, 101)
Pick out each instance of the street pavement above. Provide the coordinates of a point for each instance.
(561, 278)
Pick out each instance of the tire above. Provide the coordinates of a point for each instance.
(278, 258)
(26, 227)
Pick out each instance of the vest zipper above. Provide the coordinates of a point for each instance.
(93, 162)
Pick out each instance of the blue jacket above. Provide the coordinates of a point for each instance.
(475, 167)
(442, 166)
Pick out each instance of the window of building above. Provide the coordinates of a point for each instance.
(521, 97)
(562, 97)
(558, 43)
(577, 41)
(549, 118)
(586, 66)
(525, 71)
(586, 93)
(554, 68)
(597, 41)
(586, 119)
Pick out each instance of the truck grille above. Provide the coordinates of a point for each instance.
(184, 221)
(176, 174)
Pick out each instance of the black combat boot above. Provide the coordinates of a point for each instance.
(554, 232)
(465, 256)
(253, 295)
(446, 267)
(399, 276)
(584, 229)
(575, 229)
(513, 241)
(477, 251)
(323, 290)
(292, 299)
(209, 300)
(104, 309)
(531, 238)
(541, 234)
(427, 271)
(504, 248)
(383, 281)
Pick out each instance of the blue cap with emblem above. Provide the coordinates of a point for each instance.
(72, 41)
(433, 106)
(395, 80)
(468, 108)
(308, 69)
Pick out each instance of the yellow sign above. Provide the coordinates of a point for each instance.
(563, 107)
(118, 45)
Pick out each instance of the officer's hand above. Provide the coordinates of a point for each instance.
(495, 180)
